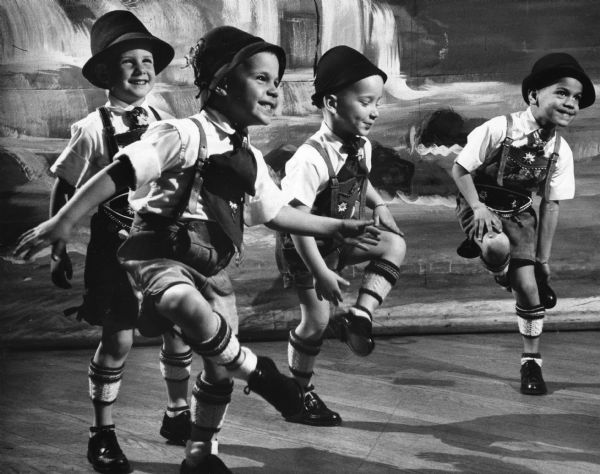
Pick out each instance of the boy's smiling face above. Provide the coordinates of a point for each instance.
(132, 76)
(253, 91)
(355, 108)
(556, 104)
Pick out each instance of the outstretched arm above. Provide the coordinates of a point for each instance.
(353, 232)
(56, 231)
(61, 269)
(381, 213)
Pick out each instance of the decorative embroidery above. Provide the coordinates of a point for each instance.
(529, 157)
(342, 207)
(234, 207)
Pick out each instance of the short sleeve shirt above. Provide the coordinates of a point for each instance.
(306, 173)
(87, 151)
(164, 161)
(488, 137)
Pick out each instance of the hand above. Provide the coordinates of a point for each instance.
(61, 270)
(52, 232)
(383, 218)
(361, 234)
(327, 286)
(483, 221)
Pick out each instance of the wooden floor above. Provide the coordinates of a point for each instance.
(427, 404)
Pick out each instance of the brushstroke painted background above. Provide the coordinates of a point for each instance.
(469, 55)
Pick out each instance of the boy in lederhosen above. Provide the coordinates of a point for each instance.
(125, 60)
(504, 161)
(206, 182)
(329, 176)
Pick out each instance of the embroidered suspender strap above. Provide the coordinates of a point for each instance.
(197, 180)
(551, 166)
(363, 198)
(505, 149)
(109, 132)
(333, 181)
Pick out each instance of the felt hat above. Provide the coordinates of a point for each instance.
(221, 50)
(550, 68)
(111, 32)
(338, 68)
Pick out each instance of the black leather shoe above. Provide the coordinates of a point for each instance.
(104, 451)
(284, 393)
(532, 382)
(209, 465)
(356, 332)
(177, 429)
(468, 249)
(315, 412)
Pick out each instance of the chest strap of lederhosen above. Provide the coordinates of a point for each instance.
(507, 143)
(334, 182)
(109, 131)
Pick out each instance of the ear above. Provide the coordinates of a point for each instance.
(330, 102)
(532, 96)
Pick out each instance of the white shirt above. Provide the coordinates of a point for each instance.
(306, 173)
(488, 137)
(163, 161)
(87, 152)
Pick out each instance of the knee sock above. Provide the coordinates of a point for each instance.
(175, 368)
(379, 278)
(302, 354)
(209, 406)
(104, 383)
(224, 349)
(530, 320)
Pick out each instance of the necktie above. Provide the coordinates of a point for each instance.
(355, 160)
(136, 118)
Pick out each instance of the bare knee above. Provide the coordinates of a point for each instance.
(495, 246)
(114, 347)
(394, 247)
(185, 306)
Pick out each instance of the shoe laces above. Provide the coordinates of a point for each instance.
(312, 401)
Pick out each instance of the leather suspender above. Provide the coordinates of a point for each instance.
(109, 132)
(334, 182)
(196, 184)
(505, 149)
(551, 166)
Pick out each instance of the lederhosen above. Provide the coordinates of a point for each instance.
(108, 294)
(159, 248)
(505, 183)
(345, 191)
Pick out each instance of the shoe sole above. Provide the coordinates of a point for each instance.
(362, 350)
(108, 469)
(311, 423)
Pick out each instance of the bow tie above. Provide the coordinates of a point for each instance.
(136, 118)
(539, 138)
(356, 159)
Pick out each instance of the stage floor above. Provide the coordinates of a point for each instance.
(431, 404)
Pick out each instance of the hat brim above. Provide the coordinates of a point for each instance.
(588, 95)
(255, 48)
(162, 53)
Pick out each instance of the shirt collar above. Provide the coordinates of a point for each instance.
(335, 141)
(119, 107)
(530, 124)
(219, 120)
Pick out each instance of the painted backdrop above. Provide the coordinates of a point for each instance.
(463, 57)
